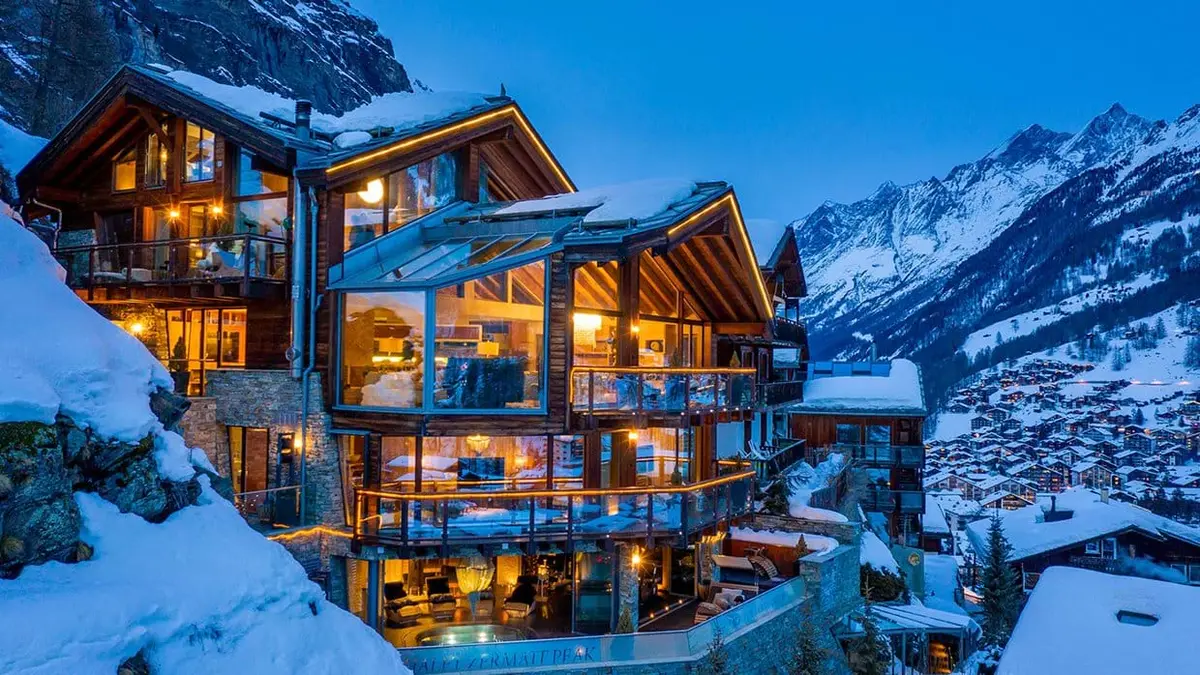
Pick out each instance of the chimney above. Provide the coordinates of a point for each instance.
(303, 119)
(1053, 503)
(1104, 495)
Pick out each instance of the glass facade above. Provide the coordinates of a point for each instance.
(261, 198)
(383, 347)
(387, 203)
(483, 463)
(199, 151)
(489, 342)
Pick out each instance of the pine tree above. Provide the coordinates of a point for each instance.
(808, 657)
(1191, 357)
(1118, 360)
(870, 654)
(1139, 417)
(778, 498)
(716, 660)
(1160, 329)
(1001, 589)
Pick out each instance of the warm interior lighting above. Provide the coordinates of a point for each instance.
(636, 559)
(635, 329)
(587, 321)
(137, 327)
(297, 444)
(173, 213)
(217, 209)
(478, 442)
(374, 192)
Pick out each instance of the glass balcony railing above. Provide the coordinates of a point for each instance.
(267, 510)
(410, 519)
(876, 456)
(666, 390)
(235, 257)
(884, 500)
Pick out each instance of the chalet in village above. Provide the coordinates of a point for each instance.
(477, 404)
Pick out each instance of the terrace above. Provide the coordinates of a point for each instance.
(235, 265)
(563, 516)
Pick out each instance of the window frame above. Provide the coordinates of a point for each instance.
(186, 176)
(385, 177)
(160, 180)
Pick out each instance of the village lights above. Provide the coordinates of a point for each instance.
(374, 192)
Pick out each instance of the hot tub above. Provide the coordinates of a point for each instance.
(469, 634)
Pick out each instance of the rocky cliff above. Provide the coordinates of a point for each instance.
(55, 53)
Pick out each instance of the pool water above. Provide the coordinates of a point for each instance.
(469, 634)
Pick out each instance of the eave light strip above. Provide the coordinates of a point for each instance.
(479, 120)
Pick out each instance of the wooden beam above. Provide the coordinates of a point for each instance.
(101, 153)
(752, 328)
(715, 293)
(628, 300)
(152, 122)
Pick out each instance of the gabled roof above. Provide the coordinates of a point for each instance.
(663, 217)
(265, 122)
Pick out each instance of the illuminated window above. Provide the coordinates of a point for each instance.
(199, 152)
(382, 345)
(125, 171)
(386, 203)
(156, 160)
(489, 346)
(480, 462)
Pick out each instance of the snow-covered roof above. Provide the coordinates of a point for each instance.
(398, 111)
(934, 521)
(815, 542)
(1030, 535)
(1073, 623)
(636, 200)
(896, 393)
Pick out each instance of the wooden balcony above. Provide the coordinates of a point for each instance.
(791, 332)
(230, 267)
(447, 519)
(781, 392)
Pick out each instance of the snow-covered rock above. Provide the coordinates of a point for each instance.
(199, 592)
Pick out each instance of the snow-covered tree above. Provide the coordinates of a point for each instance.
(870, 654)
(1001, 589)
(716, 660)
(1191, 356)
(808, 657)
(778, 497)
(1139, 417)
(1160, 329)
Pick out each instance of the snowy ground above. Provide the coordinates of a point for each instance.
(1033, 320)
(198, 593)
(941, 581)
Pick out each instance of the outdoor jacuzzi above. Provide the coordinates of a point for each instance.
(469, 634)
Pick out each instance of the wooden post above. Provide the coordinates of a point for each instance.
(628, 296)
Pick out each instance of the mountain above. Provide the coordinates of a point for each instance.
(54, 54)
(1046, 216)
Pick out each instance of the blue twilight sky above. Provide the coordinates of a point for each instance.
(798, 102)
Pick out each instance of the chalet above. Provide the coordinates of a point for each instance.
(1091, 474)
(1005, 500)
(874, 414)
(405, 332)
(980, 422)
(1080, 528)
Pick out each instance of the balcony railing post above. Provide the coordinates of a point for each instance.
(246, 266)
(591, 392)
(404, 506)
(687, 392)
(532, 519)
(570, 524)
(683, 515)
(129, 267)
(649, 518)
(641, 388)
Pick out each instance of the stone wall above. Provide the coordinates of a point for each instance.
(845, 533)
(271, 399)
(200, 429)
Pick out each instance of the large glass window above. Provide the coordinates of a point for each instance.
(849, 434)
(388, 202)
(659, 344)
(594, 340)
(254, 178)
(596, 286)
(489, 342)
(479, 462)
(383, 344)
(263, 216)
(199, 152)
(663, 456)
(125, 171)
(156, 161)
(879, 434)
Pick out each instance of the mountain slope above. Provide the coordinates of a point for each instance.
(917, 268)
(55, 53)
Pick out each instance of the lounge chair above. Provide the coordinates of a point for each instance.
(523, 600)
(399, 610)
(441, 601)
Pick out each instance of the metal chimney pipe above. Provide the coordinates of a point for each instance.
(303, 119)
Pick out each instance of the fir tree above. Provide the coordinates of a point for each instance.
(869, 654)
(1139, 417)
(1001, 589)
(1160, 329)
(716, 660)
(1118, 360)
(808, 657)
(778, 497)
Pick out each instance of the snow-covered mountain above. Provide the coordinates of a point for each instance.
(1046, 216)
(54, 54)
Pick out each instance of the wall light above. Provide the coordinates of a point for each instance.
(173, 213)
(217, 209)
(635, 329)
(633, 435)
(374, 192)
(137, 328)
(587, 321)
